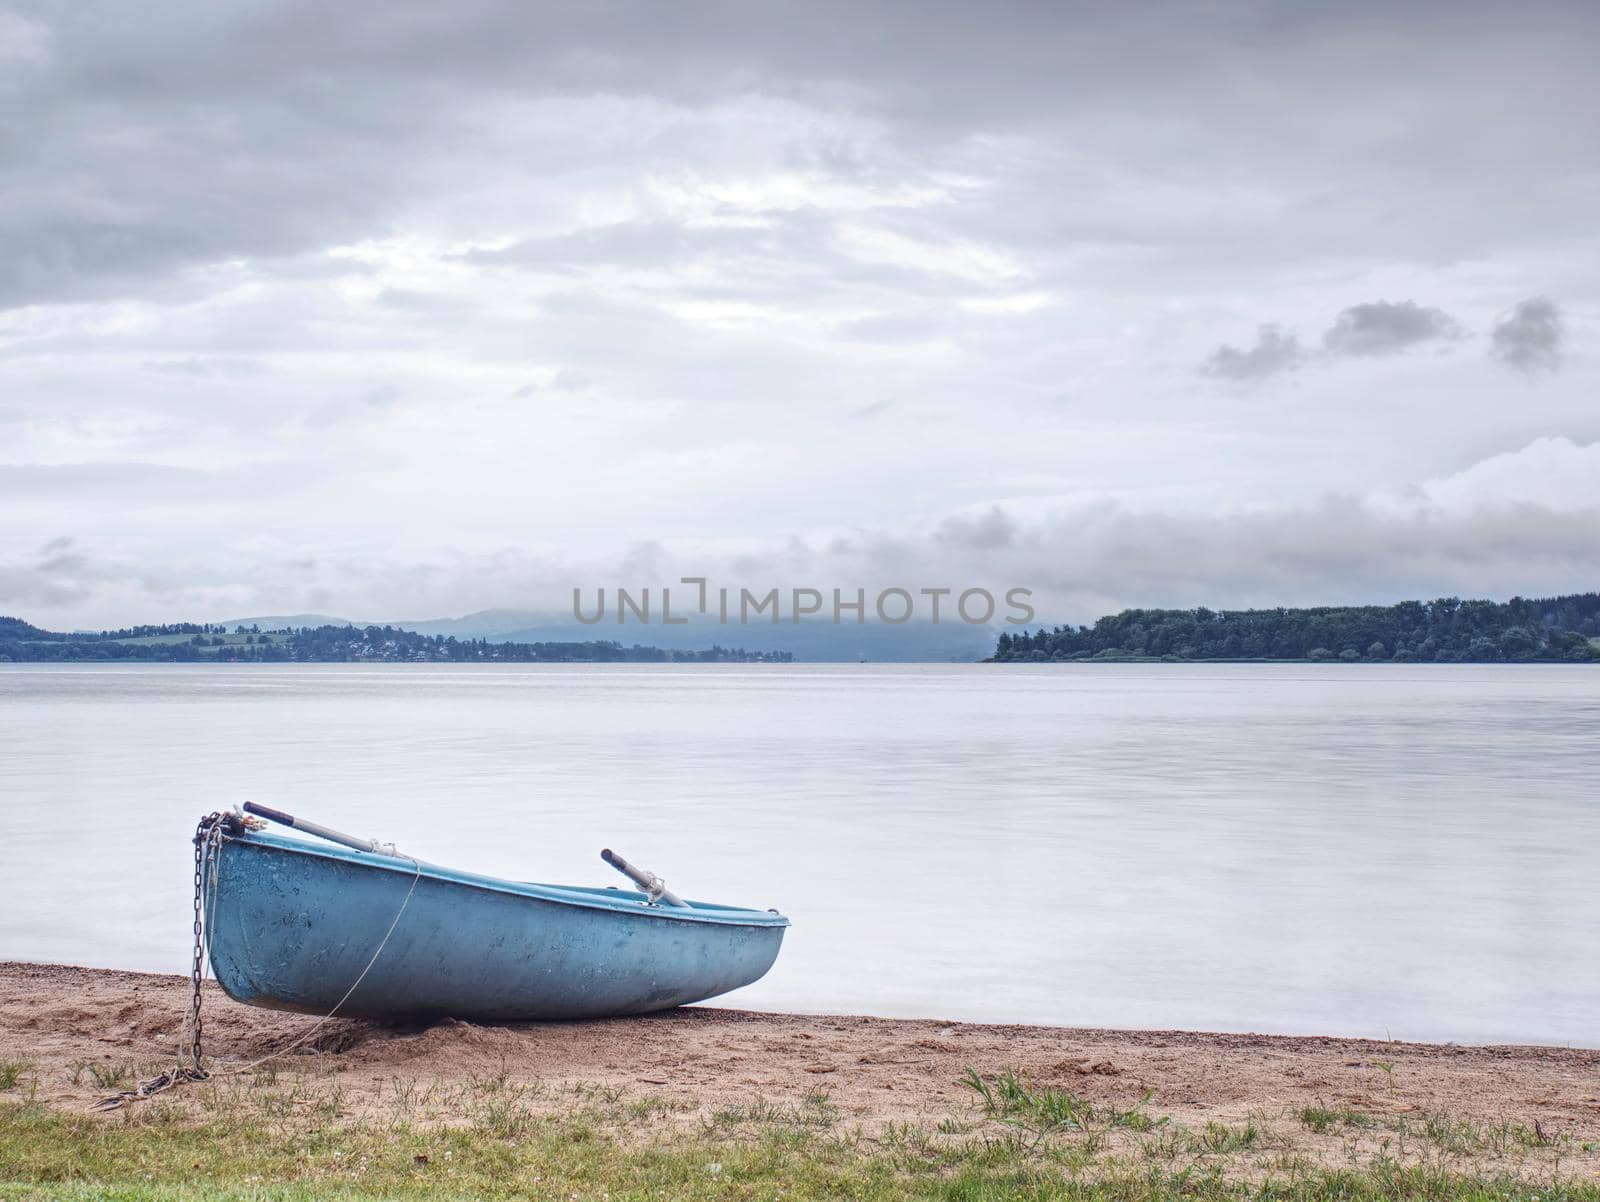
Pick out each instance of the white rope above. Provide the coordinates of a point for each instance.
(321, 1022)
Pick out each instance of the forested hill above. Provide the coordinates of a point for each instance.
(1449, 630)
(187, 642)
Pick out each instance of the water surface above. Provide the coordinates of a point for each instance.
(1369, 850)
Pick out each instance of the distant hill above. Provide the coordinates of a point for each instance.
(496, 624)
(810, 641)
(296, 622)
(1448, 630)
(16, 628)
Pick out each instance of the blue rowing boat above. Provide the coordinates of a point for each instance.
(363, 931)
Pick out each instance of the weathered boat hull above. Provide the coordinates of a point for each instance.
(293, 925)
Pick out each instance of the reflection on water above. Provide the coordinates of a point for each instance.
(1372, 850)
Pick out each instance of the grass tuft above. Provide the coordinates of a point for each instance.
(1322, 1119)
(1038, 1112)
(1219, 1138)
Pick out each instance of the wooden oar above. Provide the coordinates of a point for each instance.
(316, 828)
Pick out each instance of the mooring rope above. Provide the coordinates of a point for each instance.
(317, 1026)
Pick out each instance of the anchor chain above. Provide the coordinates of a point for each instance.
(208, 835)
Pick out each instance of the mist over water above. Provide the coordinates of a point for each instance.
(1350, 849)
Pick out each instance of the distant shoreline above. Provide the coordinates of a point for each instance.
(190, 642)
(1447, 630)
(1563, 629)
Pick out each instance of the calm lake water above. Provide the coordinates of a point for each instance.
(1351, 849)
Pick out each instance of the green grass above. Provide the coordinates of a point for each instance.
(1221, 1138)
(1018, 1187)
(1322, 1119)
(11, 1072)
(108, 1077)
(1035, 1113)
(279, 1138)
(1463, 1137)
(1445, 1133)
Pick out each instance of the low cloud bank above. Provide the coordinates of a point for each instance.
(1524, 522)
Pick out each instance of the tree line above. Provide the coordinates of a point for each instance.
(1446, 630)
(188, 642)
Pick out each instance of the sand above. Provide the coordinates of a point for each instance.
(874, 1070)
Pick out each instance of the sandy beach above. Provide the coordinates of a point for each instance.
(82, 1028)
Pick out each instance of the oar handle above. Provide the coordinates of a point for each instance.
(267, 812)
(654, 887)
(316, 828)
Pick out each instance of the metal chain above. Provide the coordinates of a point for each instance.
(202, 841)
(207, 838)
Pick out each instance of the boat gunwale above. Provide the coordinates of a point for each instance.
(627, 902)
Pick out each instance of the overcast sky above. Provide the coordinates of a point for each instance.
(407, 310)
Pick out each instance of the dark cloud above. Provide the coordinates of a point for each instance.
(1273, 352)
(1531, 337)
(1386, 328)
(56, 574)
(986, 531)
(142, 147)
(68, 572)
